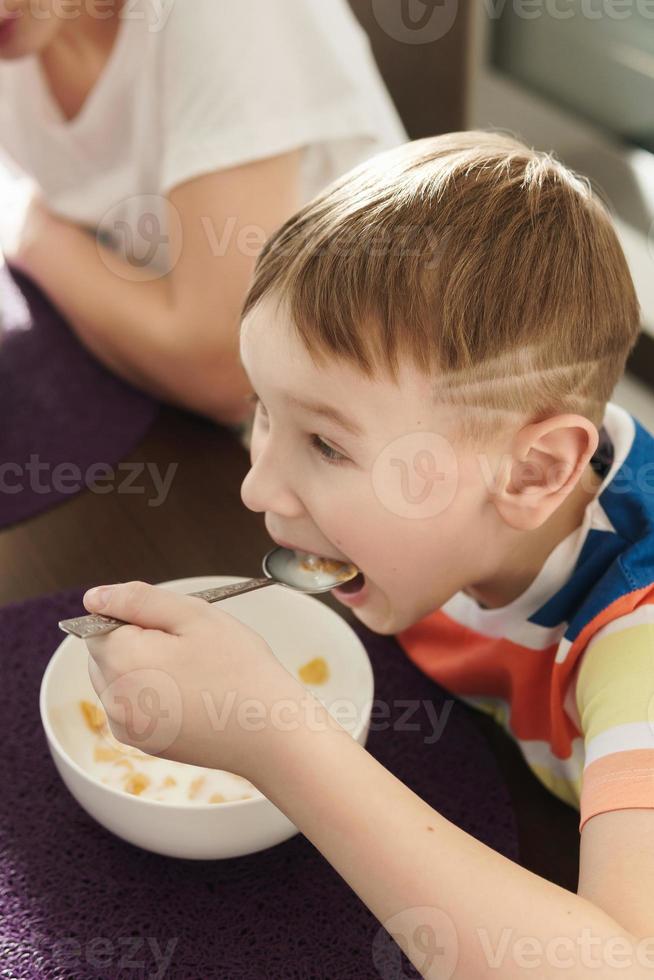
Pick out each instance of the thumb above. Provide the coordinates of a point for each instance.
(147, 606)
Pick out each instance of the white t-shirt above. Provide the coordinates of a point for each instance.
(192, 87)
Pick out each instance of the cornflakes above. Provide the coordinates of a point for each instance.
(195, 787)
(93, 716)
(314, 563)
(104, 753)
(315, 671)
(136, 782)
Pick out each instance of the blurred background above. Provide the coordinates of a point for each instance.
(572, 76)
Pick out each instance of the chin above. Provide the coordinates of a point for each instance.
(389, 625)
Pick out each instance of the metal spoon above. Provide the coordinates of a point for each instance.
(299, 571)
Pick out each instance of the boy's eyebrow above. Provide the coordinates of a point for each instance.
(328, 412)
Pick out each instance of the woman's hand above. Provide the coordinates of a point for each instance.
(187, 681)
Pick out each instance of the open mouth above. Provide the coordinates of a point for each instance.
(334, 565)
(354, 585)
(351, 588)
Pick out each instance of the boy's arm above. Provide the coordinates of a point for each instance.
(177, 336)
(457, 908)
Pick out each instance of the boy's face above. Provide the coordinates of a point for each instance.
(409, 512)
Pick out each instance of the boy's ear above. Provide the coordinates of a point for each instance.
(545, 464)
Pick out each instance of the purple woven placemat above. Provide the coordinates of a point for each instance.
(77, 902)
(58, 405)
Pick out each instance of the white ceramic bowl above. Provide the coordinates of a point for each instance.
(297, 628)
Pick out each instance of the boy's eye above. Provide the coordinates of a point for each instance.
(328, 454)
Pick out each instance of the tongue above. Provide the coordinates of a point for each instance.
(354, 585)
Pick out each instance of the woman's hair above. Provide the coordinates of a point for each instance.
(489, 265)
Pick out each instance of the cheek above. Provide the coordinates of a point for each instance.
(408, 559)
(392, 553)
(409, 553)
(407, 510)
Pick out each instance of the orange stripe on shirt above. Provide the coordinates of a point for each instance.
(470, 663)
(466, 662)
(617, 782)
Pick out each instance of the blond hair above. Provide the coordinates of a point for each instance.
(489, 265)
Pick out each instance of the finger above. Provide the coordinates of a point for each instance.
(147, 606)
(115, 650)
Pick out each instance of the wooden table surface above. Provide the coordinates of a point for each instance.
(203, 528)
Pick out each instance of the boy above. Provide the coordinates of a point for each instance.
(433, 342)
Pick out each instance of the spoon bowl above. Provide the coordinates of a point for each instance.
(305, 572)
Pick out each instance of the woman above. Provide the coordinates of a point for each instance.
(180, 133)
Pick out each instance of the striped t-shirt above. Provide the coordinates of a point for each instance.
(568, 667)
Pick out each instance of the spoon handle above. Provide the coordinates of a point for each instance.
(237, 588)
(96, 625)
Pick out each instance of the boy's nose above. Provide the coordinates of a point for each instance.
(266, 489)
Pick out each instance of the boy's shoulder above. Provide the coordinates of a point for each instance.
(614, 572)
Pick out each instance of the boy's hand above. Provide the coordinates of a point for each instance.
(173, 684)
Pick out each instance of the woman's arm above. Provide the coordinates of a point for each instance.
(175, 337)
